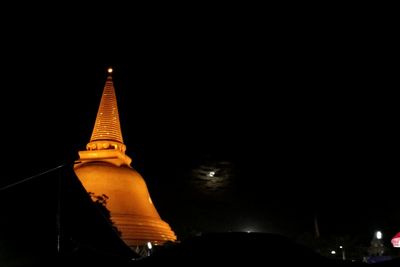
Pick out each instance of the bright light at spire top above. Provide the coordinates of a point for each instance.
(110, 70)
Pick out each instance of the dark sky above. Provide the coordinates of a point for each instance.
(306, 118)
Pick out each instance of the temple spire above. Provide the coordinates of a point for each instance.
(107, 135)
(107, 125)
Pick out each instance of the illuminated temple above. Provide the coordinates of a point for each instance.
(104, 169)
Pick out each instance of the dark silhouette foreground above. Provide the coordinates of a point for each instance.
(256, 249)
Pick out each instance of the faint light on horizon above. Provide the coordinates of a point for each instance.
(250, 229)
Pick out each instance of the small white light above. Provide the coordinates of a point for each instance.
(378, 234)
(149, 245)
(341, 247)
(333, 252)
(110, 70)
(211, 174)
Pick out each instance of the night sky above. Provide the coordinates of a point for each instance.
(301, 124)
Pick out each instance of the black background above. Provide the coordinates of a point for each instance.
(305, 108)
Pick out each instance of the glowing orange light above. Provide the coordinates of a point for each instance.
(104, 168)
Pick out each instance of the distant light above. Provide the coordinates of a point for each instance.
(149, 245)
(333, 252)
(211, 174)
(249, 229)
(378, 234)
(396, 240)
(340, 246)
(110, 70)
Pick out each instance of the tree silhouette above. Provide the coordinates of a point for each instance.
(100, 202)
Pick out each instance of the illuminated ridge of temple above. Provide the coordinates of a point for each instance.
(104, 169)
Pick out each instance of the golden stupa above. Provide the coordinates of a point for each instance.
(104, 168)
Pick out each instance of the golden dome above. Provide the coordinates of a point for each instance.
(129, 202)
(104, 169)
